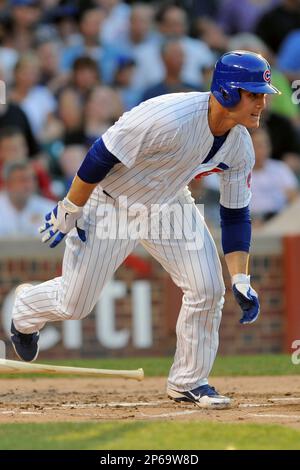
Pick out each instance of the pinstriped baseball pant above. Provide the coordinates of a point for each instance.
(88, 266)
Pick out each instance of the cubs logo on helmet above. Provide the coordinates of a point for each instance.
(267, 75)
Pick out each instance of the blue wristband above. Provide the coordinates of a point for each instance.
(236, 229)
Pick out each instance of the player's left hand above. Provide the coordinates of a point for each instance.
(60, 221)
(246, 297)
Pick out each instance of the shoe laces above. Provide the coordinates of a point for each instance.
(208, 390)
(211, 388)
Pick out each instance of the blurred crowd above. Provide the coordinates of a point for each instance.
(69, 69)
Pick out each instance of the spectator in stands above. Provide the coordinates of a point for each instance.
(200, 8)
(8, 54)
(284, 137)
(89, 45)
(103, 108)
(172, 21)
(36, 101)
(236, 16)
(116, 21)
(277, 23)
(70, 160)
(65, 129)
(123, 82)
(81, 122)
(22, 210)
(141, 44)
(11, 115)
(25, 17)
(289, 57)
(85, 76)
(273, 183)
(172, 54)
(61, 21)
(140, 29)
(48, 52)
(69, 118)
(209, 31)
(67, 125)
(13, 147)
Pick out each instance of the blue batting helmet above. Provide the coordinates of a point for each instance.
(240, 69)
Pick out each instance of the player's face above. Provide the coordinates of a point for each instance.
(249, 109)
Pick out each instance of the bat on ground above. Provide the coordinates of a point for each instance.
(8, 367)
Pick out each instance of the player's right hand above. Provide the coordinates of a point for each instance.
(60, 221)
(246, 297)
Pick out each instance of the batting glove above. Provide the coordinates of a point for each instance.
(60, 221)
(246, 297)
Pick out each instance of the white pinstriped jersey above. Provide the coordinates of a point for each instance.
(163, 143)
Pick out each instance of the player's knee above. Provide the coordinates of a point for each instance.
(207, 297)
(218, 294)
(72, 312)
(66, 314)
(215, 297)
(72, 307)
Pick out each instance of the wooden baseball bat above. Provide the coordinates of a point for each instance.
(7, 367)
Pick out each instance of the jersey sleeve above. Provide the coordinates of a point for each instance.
(140, 133)
(235, 183)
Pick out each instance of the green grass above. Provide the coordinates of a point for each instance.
(271, 364)
(146, 435)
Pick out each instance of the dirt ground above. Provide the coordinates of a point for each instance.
(255, 399)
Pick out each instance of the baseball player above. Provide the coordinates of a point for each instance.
(148, 157)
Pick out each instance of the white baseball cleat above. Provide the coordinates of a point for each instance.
(204, 396)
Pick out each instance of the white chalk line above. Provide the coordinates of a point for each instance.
(170, 415)
(113, 404)
(255, 405)
(288, 399)
(14, 412)
(271, 415)
(272, 402)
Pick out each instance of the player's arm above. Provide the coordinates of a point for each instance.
(236, 239)
(65, 216)
(237, 262)
(80, 191)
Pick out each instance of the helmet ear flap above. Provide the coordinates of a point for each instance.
(227, 97)
(225, 93)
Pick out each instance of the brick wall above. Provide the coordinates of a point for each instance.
(31, 262)
(265, 335)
